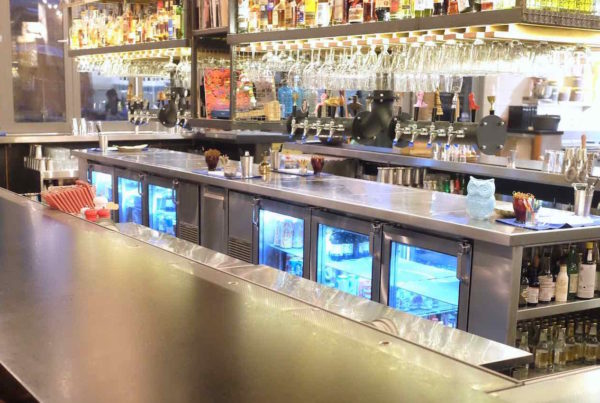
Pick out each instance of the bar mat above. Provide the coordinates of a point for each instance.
(221, 174)
(543, 226)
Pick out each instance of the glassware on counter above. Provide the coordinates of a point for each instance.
(523, 206)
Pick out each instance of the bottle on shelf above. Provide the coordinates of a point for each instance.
(437, 7)
(279, 15)
(263, 23)
(572, 271)
(587, 274)
(560, 351)
(524, 286)
(485, 5)
(310, 13)
(579, 342)
(533, 291)
(355, 11)
(382, 10)
(570, 346)
(369, 11)
(340, 12)
(546, 280)
(562, 284)
(523, 371)
(323, 13)
(407, 8)
(290, 14)
(301, 14)
(597, 254)
(591, 344)
(542, 351)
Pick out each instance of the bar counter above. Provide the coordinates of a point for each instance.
(87, 314)
(431, 211)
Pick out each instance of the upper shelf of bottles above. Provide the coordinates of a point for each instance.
(138, 47)
(515, 23)
(76, 3)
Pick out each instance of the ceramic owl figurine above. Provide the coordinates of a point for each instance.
(480, 198)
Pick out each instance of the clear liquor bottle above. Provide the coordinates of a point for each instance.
(560, 352)
(523, 371)
(579, 342)
(591, 345)
(570, 346)
(542, 352)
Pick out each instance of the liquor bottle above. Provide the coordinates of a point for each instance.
(279, 14)
(523, 371)
(453, 7)
(542, 352)
(579, 342)
(340, 12)
(560, 351)
(263, 22)
(243, 16)
(300, 14)
(524, 286)
(533, 291)
(323, 13)
(428, 9)
(419, 8)
(570, 346)
(310, 13)
(180, 26)
(407, 8)
(437, 7)
(546, 281)
(464, 6)
(587, 274)
(597, 254)
(591, 345)
(290, 14)
(270, 8)
(395, 10)
(355, 11)
(572, 271)
(369, 11)
(382, 10)
(562, 284)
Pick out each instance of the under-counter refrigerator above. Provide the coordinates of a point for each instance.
(102, 177)
(172, 207)
(345, 254)
(282, 233)
(130, 196)
(426, 276)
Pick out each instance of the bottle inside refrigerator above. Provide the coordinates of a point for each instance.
(423, 283)
(162, 209)
(104, 184)
(130, 201)
(344, 261)
(281, 242)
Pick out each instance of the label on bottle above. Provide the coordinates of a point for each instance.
(462, 5)
(523, 295)
(382, 3)
(394, 6)
(323, 14)
(586, 281)
(355, 12)
(562, 287)
(573, 283)
(533, 295)
(275, 18)
(546, 286)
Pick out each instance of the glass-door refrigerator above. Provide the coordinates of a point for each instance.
(130, 196)
(346, 254)
(102, 177)
(162, 204)
(426, 276)
(282, 234)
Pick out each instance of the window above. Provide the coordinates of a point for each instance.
(103, 98)
(38, 71)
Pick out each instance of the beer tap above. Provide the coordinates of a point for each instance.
(397, 133)
(433, 133)
(451, 136)
(318, 126)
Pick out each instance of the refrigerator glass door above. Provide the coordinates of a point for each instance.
(423, 283)
(130, 201)
(162, 209)
(281, 242)
(344, 260)
(104, 184)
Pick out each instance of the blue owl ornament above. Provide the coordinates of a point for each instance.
(480, 198)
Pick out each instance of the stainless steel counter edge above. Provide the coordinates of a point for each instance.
(388, 156)
(518, 237)
(63, 138)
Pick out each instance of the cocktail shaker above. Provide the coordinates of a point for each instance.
(246, 161)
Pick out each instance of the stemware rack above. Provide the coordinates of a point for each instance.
(518, 23)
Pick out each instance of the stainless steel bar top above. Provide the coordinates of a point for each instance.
(431, 211)
(112, 136)
(89, 315)
(382, 155)
(463, 346)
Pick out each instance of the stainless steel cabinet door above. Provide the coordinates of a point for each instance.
(214, 214)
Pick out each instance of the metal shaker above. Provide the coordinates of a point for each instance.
(246, 161)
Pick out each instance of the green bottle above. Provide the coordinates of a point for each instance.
(572, 272)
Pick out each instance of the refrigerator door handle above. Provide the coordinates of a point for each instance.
(141, 177)
(255, 211)
(462, 262)
(174, 192)
(375, 230)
